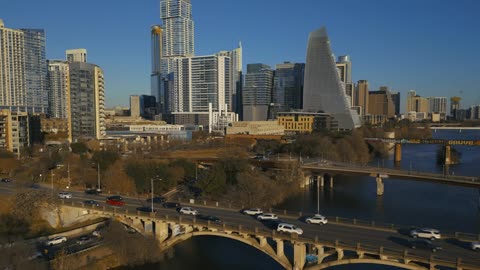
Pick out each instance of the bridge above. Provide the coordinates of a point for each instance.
(334, 244)
(321, 170)
(446, 144)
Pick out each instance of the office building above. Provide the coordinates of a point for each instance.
(454, 106)
(324, 91)
(396, 102)
(76, 55)
(304, 122)
(157, 88)
(58, 78)
(288, 86)
(234, 98)
(257, 92)
(35, 70)
(344, 66)
(381, 103)
(177, 41)
(87, 99)
(438, 105)
(149, 107)
(135, 106)
(360, 98)
(256, 128)
(416, 103)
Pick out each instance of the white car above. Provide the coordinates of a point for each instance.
(253, 211)
(65, 195)
(188, 211)
(427, 233)
(289, 228)
(317, 219)
(56, 240)
(475, 246)
(267, 216)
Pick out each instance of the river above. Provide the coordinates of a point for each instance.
(426, 204)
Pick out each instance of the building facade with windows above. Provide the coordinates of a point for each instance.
(58, 78)
(76, 55)
(257, 92)
(14, 131)
(288, 86)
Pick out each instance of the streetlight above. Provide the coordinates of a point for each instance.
(151, 185)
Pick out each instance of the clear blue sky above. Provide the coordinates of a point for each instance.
(428, 45)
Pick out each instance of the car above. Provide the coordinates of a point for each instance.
(210, 218)
(267, 216)
(146, 209)
(84, 240)
(91, 202)
(6, 180)
(171, 204)
(56, 240)
(428, 233)
(424, 244)
(253, 211)
(115, 200)
(317, 219)
(92, 192)
(289, 228)
(188, 211)
(475, 246)
(65, 195)
(156, 200)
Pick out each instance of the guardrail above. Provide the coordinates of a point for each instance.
(261, 231)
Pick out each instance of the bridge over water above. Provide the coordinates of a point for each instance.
(330, 252)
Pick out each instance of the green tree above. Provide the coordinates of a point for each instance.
(213, 182)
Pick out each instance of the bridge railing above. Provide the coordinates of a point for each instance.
(361, 223)
(263, 231)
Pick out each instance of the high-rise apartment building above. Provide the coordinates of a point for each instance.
(288, 86)
(381, 103)
(135, 106)
(177, 41)
(324, 91)
(13, 88)
(157, 87)
(87, 100)
(35, 70)
(344, 66)
(396, 102)
(454, 106)
(76, 55)
(58, 89)
(14, 131)
(201, 80)
(360, 98)
(233, 98)
(438, 105)
(257, 92)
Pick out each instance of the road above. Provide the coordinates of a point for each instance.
(351, 235)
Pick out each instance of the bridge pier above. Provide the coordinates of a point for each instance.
(161, 231)
(340, 254)
(398, 153)
(331, 181)
(321, 181)
(299, 255)
(148, 226)
(448, 155)
(380, 185)
(262, 241)
(280, 248)
(320, 254)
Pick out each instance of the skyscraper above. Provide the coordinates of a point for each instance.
(416, 103)
(35, 70)
(157, 88)
(233, 94)
(438, 105)
(87, 99)
(58, 89)
(288, 86)
(396, 102)
(135, 106)
(361, 96)
(324, 90)
(454, 106)
(177, 41)
(13, 88)
(381, 103)
(257, 92)
(76, 55)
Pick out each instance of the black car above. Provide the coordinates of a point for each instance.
(210, 218)
(424, 244)
(92, 192)
(6, 180)
(91, 202)
(156, 200)
(171, 204)
(146, 209)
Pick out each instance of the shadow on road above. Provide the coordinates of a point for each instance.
(400, 241)
(460, 243)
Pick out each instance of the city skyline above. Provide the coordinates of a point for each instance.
(379, 43)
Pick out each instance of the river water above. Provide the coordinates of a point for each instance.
(445, 207)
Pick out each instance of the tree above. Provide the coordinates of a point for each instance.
(105, 159)
(214, 182)
(79, 148)
(116, 179)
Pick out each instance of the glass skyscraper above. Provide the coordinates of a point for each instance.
(257, 92)
(36, 70)
(324, 91)
(288, 86)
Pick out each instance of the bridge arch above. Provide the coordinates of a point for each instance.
(365, 261)
(250, 241)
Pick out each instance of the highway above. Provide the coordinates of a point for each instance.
(348, 234)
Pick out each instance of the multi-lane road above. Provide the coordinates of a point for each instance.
(348, 234)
